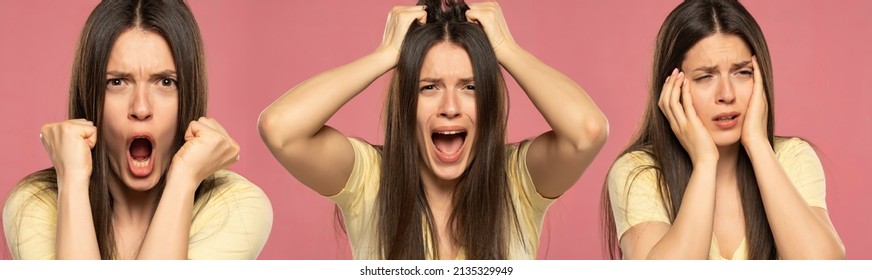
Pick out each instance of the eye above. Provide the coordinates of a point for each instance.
(746, 73)
(116, 82)
(703, 78)
(168, 82)
(469, 87)
(428, 87)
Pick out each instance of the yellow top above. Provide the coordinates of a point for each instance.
(638, 200)
(358, 198)
(233, 223)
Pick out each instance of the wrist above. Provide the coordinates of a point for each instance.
(75, 181)
(506, 51)
(385, 57)
(181, 179)
(757, 146)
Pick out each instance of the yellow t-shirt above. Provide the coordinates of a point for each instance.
(636, 198)
(233, 223)
(358, 198)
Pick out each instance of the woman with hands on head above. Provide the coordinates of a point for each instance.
(138, 171)
(705, 177)
(445, 185)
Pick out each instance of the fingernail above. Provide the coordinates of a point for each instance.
(674, 71)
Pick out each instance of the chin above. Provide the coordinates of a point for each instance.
(449, 173)
(137, 183)
(141, 184)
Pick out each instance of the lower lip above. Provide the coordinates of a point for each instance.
(446, 158)
(727, 124)
(143, 171)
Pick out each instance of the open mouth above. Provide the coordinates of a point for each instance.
(726, 118)
(449, 144)
(140, 156)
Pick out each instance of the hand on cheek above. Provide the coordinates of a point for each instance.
(754, 129)
(676, 103)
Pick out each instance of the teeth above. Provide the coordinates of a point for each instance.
(142, 163)
(449, 132)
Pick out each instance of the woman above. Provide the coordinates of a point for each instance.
(137, 169)
(445, 185)
(705, 177)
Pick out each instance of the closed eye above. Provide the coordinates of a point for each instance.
(703, 78)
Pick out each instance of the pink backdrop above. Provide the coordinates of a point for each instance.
(257, 51)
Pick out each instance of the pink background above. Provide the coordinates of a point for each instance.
(257, 51)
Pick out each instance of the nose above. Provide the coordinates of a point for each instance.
(726, 92)
(140, 106)
(448, 106)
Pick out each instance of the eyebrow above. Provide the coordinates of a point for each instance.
(709, 69)
(125, 75)
(437, 80)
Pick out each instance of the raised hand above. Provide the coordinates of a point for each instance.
(69, 145)
(207, 149)
(754, 129)
(490, 16)
(399, 20)
(676, 103)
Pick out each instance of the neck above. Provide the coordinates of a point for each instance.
(131, 207)
(439, 192)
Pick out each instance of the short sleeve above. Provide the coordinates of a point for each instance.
(530, 206)
(233, 223)
(358, 198)
(521, 181)
(30, 222)
(634, 193)
(361, 187)
(804, 169)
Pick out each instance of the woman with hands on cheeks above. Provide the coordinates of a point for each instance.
(705, 177)
(445, 185)
(138, 172)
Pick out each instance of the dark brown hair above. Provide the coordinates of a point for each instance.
(173, 21)
(482, 212)
(690, 22)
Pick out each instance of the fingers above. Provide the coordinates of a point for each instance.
(479, 11)
(758, 79)
(53, 133)
(665, 103)
(404, 15)
(89, 133)
(206, 127)
(490, 16)
(675, 103)
(399, 20)
(687, 101)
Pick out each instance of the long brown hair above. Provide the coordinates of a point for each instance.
(689, 23)
(171, 19)
(482, 210)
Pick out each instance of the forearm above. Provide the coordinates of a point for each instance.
(690, 235)
(311, 103)
(572, 115)
(798, 231)
(76, 237)
(169, 231)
